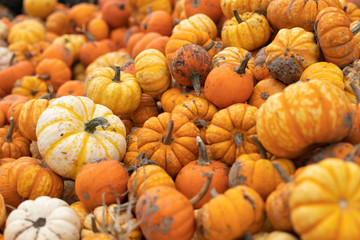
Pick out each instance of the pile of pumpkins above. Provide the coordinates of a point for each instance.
(181, 119)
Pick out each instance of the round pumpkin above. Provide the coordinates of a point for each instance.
(40, 9)
(30, 87)
(29, 30)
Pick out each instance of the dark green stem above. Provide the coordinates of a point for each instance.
(237, 16)
(34, 92)
(208, 47)
(241, 68)
(91, 125)
(117, 74)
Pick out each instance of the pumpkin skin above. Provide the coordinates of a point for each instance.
(60, 52)
(33, 178)
(297, 13)
(321, 183)
(244, 209)
(131, 156)
(9, 193)
(332, 23)
(275, 235)
(176, 95)
(260, 69)
(158, 21)
(81, 210)
(146, 110)
(114, 89)
(172, 209)
(75, 88)
(351, 76)
(352, 11)
(264, 89)
(40, 9)
(278, 136)
(8, 101)
(290, 53)
(73, 42)
(152, 72)
(171, 155)
(249, 31)
(30, 87)
(209, 7)
(58, 22)
(2, 211)
(29, 30)
(116, 13)
(112, 185)
(92, 49)
(243, 6)
(98, 28)
(190, 179)
(139, 9)
(158, 44)
(61, 127)
(82, 13)
(146, 177)
(141, 43)
(45, 213)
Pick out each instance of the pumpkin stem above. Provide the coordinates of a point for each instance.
(264, 95)
(29, 55)
(148, 9)
(260, 147)
(234, 178)
(195, 80)
(203, 157)
(91, 125)
(34, 92)
(40, 222)
(282, 173)
(209, 46)
(356, 92)
(184, 90)
(50, 95)
(214, 193)
(237, 16)
(200, 123)
(345, 8)
(168, 138)
(8, 137)
(117, 73)
(355, 30)
(176, 21)
(45, 76)
(247, 236)
(12, 59)
(121, 6)
(93, 225)
(350, 157)
(203, 189)
(241, 68)
(144, 26)
(238, 138)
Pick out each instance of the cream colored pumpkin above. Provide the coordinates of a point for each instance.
(5, 57)
(74, 130)
(43, 218)
(276, 235)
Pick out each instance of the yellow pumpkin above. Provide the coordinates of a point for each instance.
(40, 9)
(29, 30)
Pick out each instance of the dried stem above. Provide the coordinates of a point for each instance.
(203, 189)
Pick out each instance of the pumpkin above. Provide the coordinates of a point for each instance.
(28, 30)
(158, 21)
(257, 172)
(133, 40)
(290, 53)
(30, 87)
(229, 84)
(75, 88)
(14, 112)
(77, 121)
(73, 42)
(40, 9)
(108, 60)
(2, 119)
(58, 22)
(9, 100)
(59, 51)
(178, 13)
(116, 13)
(297, 13)
(32, 52)
(158, 44)
(168, 209)
(147, 109)
(81, 210)
(243, 6)
(260, 69)
(112, 186)
(352, 11)
(354, 135)
(98, 28)
(190, 179)
(249, 31)
(5, 57)
(228, 137)
(169, 140)
(229, 215)
(141, 43)
(317, 116)
(43, 217)
(350, 73)
(208, 7)
(12, 143)
(10, 195)
(275, 235)
(32, 178)
(82, 13)
(190, 65)
(264, 89)
(152, 72)
(93, 49)
(199, 111)
(332, 23)
(112, 220)
(198, 21)
(99, 236)
(2, 211)
(131, 157)
(118, 35)
(320, 188)
(78, 72)
(139, 9)
(53, 71)
(146, 177)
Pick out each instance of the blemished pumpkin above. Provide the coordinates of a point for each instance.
(118, 91)
(243, 6)
(169, 140)
(209, 7)
(30, 86)
(228, 137)
(32, 178)
(81, 210)
(354, 135)
(163, 210)
(290, 53)
(74, 130)
(10, 195)
(329, 190)
(244, 210)
(109, 185)
(147, 109)
(277, 121)
(43, 217)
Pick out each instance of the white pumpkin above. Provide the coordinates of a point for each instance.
(74, 130)
(43, 218)
(5, 57)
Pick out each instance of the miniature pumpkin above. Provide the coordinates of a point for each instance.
(354, 135)
(166, 208)
(116, 90)
(243, 6)
(32, 178)
(140, 9)
(158, 21)
(58, 22)
(112, 186)
(352, 11)
(260, 69)
(116, 13)
(332, 29)
(77, 121)
(208, 7)
(228, 137)
(98, 28)
(2, 211)
(9, 100)
(40, 9)
(81, 210)
(24, 51)
(30, 87)
(93, 49)
(169, 140)
(10, 195)
(75, 88)
(290, 53)
(82, 13)
(28, 30)
(351, 75)
(327, 189)
(141, 43)
(146, 110)
(42, 218)
(131, 157)
(59, 51)
(276, 119)
(73, 42)
(249, 31)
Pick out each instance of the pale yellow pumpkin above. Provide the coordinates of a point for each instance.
(29, 30)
